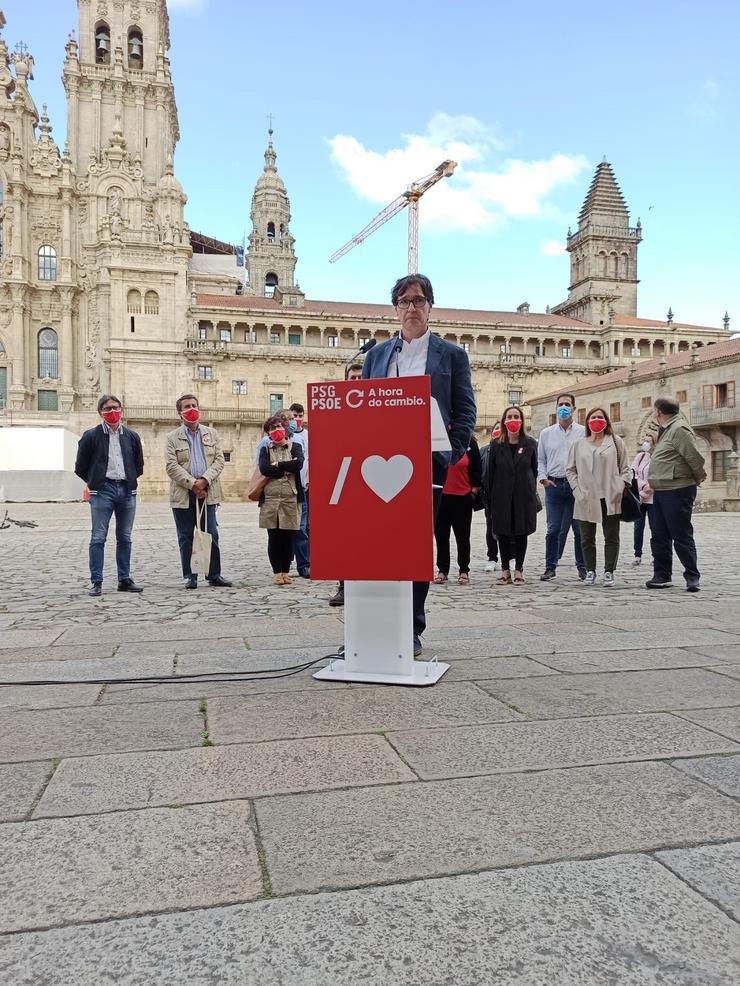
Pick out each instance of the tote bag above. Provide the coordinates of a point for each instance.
(200, 558)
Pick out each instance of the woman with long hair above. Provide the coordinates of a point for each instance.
(280, 459)
(511, 491)
(598, 472)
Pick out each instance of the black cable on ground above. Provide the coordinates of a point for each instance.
(204, 676)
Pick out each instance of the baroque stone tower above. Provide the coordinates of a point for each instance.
(271, 258)
(603, 255)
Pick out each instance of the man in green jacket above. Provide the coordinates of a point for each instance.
(676, 470)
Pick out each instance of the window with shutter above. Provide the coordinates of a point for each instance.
(707, 397)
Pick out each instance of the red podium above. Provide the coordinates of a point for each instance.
(371, 519)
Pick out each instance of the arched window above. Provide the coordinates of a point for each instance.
(133, 302)
(48, 354)
(602, 258)
(271, 282)
(135, 48)
(47, 263)
(271, 231)
(102, 43)
(151, 303)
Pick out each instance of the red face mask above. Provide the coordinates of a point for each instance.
(513, 426)
(298, 421)
(496, 433)
(277, 435)
(597, 425)
(112, 417)
(192, 414)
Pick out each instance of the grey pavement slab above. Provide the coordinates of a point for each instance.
(143, 780)
(47, 696)
(30, 655)
(251, 660)
(601, 694)
(126, 694)
(720, 772)
(728, 654)
(56, 871)
(629, 660)
(624, 920)
(723, 721)
(548, 628)
(472, 669)
(102, 668)
(731, 670)
(168, 648)
(384, 834)
(20, 785)
(637, 640)
(48, 733)
(349, 710)
(12, 639)
(470, 750)
(712, 870)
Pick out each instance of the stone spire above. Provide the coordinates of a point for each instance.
(603, 255)
(271, 258)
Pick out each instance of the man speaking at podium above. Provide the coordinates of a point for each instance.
(415, 351)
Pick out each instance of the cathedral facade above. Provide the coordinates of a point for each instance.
(104, 288)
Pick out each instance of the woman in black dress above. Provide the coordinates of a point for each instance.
(511, 489)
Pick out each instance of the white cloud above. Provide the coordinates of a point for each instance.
(553, 248)
(477, 196)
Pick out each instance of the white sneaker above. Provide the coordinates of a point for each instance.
(590, 578)
(608, 580)
(491, 566)
(637, 560)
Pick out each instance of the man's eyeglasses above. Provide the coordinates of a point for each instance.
(406, 303)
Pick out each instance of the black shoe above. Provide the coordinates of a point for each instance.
(656, 583)
(338, 598)
(128, 585)
(96, 589)
(692, 587)
(548, 574)
(220, 582)
(190, 582)
(581, 574)
(417, 646)
(305, 573)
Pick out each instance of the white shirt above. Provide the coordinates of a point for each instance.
(412, 360)
(553, 447)
(301, 437)
(116, 468)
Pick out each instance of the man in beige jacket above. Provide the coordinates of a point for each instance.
(194, 461)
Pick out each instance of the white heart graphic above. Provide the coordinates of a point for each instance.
(387, 477)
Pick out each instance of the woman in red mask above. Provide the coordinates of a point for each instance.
(280, 513)
(597, 471)
(511, 491)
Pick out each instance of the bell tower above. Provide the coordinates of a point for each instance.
(271, 258)
(603, 255)
(120, 80)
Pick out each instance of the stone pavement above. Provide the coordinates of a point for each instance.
(561, 809)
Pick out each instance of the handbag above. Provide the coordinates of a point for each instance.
(200, 557)
(256, 485)
(631, 503)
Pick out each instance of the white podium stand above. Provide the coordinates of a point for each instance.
(378, 638)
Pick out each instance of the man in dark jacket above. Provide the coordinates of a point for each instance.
(415, 351)
(110, 460)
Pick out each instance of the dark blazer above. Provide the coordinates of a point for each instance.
(292, 465)
(511, 487)
(91, 464)
(449, 368)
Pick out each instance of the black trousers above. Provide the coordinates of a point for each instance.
(421, 589)
(514, 546)
(280, 549)
(673, 530)
(491, 545)
(456, 514)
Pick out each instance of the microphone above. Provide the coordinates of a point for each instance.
(364, 348)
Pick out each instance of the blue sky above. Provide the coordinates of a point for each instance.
(528, 98)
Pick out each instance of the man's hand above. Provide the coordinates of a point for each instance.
(547, 482)
(647, 491)
(200, 488)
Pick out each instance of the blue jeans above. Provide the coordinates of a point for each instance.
(671, 525)
(645, 511)
(185, 524)
(112, 498)
(559, 505)
(300, 538)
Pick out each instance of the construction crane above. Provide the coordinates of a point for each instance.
(409, 198)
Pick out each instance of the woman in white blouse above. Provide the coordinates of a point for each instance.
(598, 471)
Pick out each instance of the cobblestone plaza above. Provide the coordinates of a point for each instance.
(561, 809)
